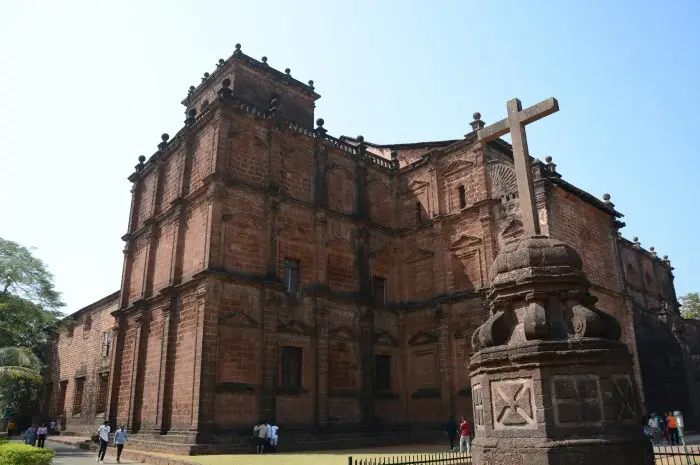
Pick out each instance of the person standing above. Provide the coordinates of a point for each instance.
(465, 436)
(451, 429)
(274, 438)
(654, 427)
(41, 433)
(11, 428)
(103, 433)
(260, 433)
(673, 429)
(120, 438)
(30, 436)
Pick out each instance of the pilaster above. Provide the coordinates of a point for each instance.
(322, 363)
(367, 365)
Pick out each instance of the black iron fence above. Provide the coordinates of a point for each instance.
(677, 455)
(447, 458)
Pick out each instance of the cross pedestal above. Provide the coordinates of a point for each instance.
(551, 381)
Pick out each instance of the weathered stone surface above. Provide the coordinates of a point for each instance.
(245, 184)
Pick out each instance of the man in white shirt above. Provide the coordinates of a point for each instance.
(654, 427)
(103, 433)
(273, 435)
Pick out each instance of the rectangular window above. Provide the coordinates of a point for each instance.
(291, 275)
(291, 368)
(87, 323)
(382, 372)
(78, 395)
(419, 215)
(103, 380)
(61, 401)
(462, 197)
(106, 343)
(379, 290)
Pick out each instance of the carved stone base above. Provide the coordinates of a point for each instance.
(557, 402)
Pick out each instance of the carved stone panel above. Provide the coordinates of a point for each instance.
(577, 400)
(512, 402)
(478, 400)
(624, 396)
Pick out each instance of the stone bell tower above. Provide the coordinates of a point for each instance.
(551, 381)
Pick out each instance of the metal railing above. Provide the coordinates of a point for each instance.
(447, 458)
(677, 455)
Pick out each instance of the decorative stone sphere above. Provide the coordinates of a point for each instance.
(548, 159)
(238, 46)
(192, 112)
(635, 238)
(476, 115)
(311, 82)
(142, 159)
(206, 75)
(320, 122)
(651, 249)
(264, 59)
(665, 257)
(606, 197)
(360, 139)
(192, 88)
(165, 137)
(287, 71)
(221, 61)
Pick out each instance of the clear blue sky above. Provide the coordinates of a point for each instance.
(86, 87)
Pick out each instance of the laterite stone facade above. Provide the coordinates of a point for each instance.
(330, 285)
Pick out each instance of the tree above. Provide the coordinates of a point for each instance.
(20, 380)
(25, 276)
(28, 301)
(690, 305)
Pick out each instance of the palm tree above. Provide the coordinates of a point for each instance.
(19, 364)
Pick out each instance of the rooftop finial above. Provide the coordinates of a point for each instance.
(205, 77)
(140, 165)
(191, 116)
(606, 200)
(477, 123)
(238, 50)
(360, 139)
(288, 72)
(220, 63)
(225, 90)
(164, 138)
(264, 60)
(319, 128)
(635, 242)
(652, 251)
(551, 166)
(191, 90)
(311, 84)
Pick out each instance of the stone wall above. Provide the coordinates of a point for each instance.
(79, 368)
(205, 312)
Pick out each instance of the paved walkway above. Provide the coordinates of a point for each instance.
(68, 455)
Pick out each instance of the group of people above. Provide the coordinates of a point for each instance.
(33, 436)
(120, 438)
(464, 430)
(265, 435)
(661, 426)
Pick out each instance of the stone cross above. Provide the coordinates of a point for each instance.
(515, 124)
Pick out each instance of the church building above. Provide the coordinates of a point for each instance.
(330, 285)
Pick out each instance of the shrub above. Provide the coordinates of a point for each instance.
(20, 454)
